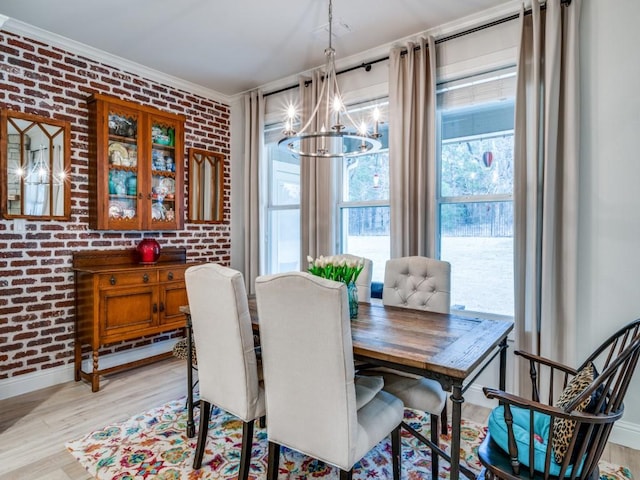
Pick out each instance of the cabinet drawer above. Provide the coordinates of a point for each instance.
(171, 274)
(128, 279)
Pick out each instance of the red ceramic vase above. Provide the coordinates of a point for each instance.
(148, 251)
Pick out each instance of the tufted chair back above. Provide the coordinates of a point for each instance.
(420, 283)
(364, 279)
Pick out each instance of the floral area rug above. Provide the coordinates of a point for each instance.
(154, 445)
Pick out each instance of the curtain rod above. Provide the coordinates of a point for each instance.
(367, 65)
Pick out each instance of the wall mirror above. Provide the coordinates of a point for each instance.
(35, 165)
(206, 186)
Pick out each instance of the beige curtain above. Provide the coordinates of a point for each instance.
(316, 187)
(412, 148)
(253, 148)
(546, 183)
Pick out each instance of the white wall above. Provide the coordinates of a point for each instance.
(608, 251)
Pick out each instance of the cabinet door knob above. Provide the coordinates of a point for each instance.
(145, 278)
(155, 308)
(148, 196)
(112, 280)
(140, 195)
(170, 275)
(161, 307)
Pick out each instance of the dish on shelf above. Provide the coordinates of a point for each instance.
(116, 210)
(168, 186)
(118, 155)
(121, 210)
(122, 126)
(158, 211)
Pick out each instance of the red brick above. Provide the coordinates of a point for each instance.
(49, 53)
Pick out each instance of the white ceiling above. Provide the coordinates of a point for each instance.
(234, 46)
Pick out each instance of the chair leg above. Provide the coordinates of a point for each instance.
(205, 413)
(396, 452)
(273, 461)
(346, 474)
(444, 419)
(436, 430)
(435, 434)
(245, 454)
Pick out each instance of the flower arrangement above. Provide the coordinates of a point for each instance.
(336, 268)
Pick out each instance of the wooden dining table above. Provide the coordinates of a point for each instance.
(449, 348)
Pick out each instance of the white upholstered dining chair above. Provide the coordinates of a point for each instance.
(315, 405)
(363, 282)
(418, 283)
(227, 364)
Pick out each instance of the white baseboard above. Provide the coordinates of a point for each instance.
(624, 433)
(30, 382)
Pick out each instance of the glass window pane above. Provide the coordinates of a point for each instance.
(285, 178)
(366, 178)
(477, 166)
(283, 243)
(477, 239)
(365, 232)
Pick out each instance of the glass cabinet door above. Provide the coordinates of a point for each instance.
(124, 200)
(163, 173)
(135, 166)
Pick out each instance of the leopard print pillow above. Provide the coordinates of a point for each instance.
(180, 351)
(563, 428)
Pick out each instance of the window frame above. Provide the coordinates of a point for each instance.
(441, 199)
(341, 205)
(269, 205)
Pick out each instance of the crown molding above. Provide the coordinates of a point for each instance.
(20, 28)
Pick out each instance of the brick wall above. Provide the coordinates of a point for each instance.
(36, 281)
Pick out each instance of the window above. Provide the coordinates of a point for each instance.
(282, 239)
(363, 202)
(475, 197)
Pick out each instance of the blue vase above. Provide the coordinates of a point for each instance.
(352, 295)
(132, 185)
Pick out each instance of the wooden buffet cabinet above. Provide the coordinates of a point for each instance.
(118, 299)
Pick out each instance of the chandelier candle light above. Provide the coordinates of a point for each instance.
(339, 270)
(333, 139)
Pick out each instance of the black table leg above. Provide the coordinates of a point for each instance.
(503, 364)
(191, 426)
(456, 419)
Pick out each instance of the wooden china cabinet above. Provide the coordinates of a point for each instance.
(135, 166)
(119, 299)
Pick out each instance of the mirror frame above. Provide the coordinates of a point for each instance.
(196, 201)
(5, 117)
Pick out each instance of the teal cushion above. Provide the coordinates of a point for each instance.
(498, 431)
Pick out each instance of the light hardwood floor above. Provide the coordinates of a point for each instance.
(35, 426)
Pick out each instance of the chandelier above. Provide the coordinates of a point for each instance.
(332, 139)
